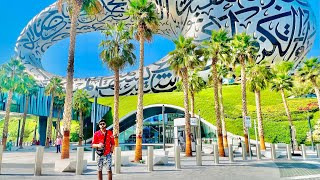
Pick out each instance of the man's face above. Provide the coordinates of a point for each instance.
(102, 125)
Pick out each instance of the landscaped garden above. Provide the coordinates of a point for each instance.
(276, 123)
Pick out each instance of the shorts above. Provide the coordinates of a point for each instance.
(105, 160)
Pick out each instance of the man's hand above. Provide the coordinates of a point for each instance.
(100, 145)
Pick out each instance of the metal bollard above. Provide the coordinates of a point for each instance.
(258, 151)
(79, 164)
(303, 150)
(117, 160)
(230, 153)
(199, 156)
(177, 157)
(244, 152)
(289, 155)
(216, 153)
(150, 158)
(318, 150)
(38, 160)
(1, 153)
(273, 152)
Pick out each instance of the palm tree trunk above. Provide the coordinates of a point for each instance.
(260, 120)
(244, 100)
(81, 129)
(224, 128)
(58, 133)
(24, 121)
(184, 73)
(286, 107)
(49, 126)
(217, 107)
(6, 120)
(139, 126)
(69, 87)
(116, 108)
(192, 103)
(316, 89)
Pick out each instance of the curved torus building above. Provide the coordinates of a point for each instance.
(284, 29)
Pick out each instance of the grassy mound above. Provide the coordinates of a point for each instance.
(276, 125)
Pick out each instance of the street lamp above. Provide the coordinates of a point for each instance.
(85, 134)
(163, 129)
(309, 122)
(94, 120)
(310, 131)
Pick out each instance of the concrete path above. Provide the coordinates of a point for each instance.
(20, 165)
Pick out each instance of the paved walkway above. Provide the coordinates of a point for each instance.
(20, 165)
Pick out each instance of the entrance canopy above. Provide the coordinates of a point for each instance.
(181, 122)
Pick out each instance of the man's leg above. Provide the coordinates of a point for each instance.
(100, 161)
(110, 175)
(109, 165)
(99, 175)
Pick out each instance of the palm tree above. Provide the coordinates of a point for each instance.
(81, 104)
(185, 57)
(310, 72)
(146, 21)
(90, 7)
(214, 49)
(243, 49)
(52, 90)
(196, 84)
(29, 88)
(10, 77)
(117, 53)
(300, 89)
(222, 73)
(258, 78)
(283, 81)
(59, 104)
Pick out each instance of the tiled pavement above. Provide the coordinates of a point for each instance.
(19, 165)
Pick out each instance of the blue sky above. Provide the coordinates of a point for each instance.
(87, 64)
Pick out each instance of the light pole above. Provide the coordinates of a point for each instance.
(94, 120)
(163, 129)
(310, 127)
(85, 132)
(18, 133)
(199, 129)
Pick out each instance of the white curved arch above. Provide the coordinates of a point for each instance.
(283, 28)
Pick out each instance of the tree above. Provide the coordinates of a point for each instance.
(29, 88)
(310, 72)
(300, 89)
(81, 104)
(90, 7)
(117, 53)
(244, 50)
(196, 84)
(146, 21)
(59, 104)
(222, 73)
(52, 89)
(10, 77)
(214, 49)
(283, 81)
(259, 77)
(185, 57)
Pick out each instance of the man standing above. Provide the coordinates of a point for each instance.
(104, 140)
(58, 144)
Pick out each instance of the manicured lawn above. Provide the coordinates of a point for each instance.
(275, 120)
